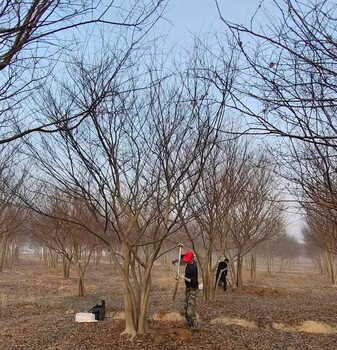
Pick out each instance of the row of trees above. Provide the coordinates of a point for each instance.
(290, 70)
(133, 155)
(145, 205)
(144, 164)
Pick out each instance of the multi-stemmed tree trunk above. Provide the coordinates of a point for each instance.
(81, 266)
(51, 258)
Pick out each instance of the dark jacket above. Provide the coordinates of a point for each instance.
(191, 272)
(222, 266)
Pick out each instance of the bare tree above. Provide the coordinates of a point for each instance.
(233, 210)
(289, 81)
(216, 195)
(12, 214)
(257, 214)
(282, 247)
(320, 231)
(58, 230)
(289, 70)
(145, 139)
(13, 229)
(322, 258)
(38, 39)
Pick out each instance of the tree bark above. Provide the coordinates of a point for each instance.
(239, 281)
(81, 287)
(332, 270)
(252, 267)
(4, 251)
(65, 267)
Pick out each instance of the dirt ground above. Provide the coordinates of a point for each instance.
(295, 309)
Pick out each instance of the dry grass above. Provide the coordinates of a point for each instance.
(295, 309)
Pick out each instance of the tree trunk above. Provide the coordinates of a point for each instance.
(16, 252)
(51, 258)
(252, 267)
(207, 277)
(12, 253)
(65, 267)
(332, 270)
(137, 293)
(81, 288)
(269, 265)
(97, 258)
(239, 282)
(3, 251)
(319, 262)
(44, 255)
(281, 263)
(143, 326)
(131, 315)
(76, 255)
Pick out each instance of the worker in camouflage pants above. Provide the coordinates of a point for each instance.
(191, 282)
(190, 307)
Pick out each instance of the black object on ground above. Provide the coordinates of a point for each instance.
(99, 311)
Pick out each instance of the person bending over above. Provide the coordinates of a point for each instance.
(221, 274)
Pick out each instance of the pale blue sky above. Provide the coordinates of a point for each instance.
(187, 17)
(201, 16)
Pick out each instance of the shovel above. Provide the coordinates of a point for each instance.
(177, 276)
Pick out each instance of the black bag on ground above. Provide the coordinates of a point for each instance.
(99, 311)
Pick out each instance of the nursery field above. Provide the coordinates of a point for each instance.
(293, 309)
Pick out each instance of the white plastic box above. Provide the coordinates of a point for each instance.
(85, 317)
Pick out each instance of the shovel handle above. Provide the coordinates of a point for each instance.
(177, 276)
